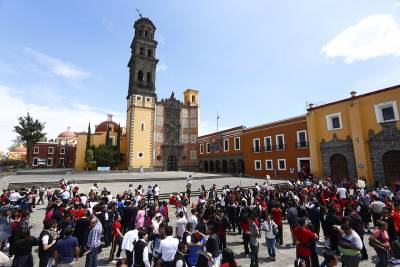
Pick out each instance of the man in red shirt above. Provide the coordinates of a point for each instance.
(304, 237)
(277, 217)
(117, 238)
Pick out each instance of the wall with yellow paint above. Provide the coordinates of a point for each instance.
(358, 117)
(140, 132)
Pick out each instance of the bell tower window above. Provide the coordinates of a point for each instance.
(148, 76)
(145, 33)
(140, 75)
(193, 99)
(149, 53)
(141, 51)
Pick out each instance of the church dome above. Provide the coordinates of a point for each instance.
(20, 149)
(102, 127)
(67, 134)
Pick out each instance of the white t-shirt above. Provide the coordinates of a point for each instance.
(342, 192)
(156, 191)
(354, 238)
(168, 248)
(14, 196)
(180, 226)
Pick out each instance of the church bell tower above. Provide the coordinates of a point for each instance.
(142, 98)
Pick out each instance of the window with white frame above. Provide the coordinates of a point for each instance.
(140, 155)
(208, 150)
(280, 141)
(35, 161)
(269, 164)
(61, 162)
(138, 98)
(256, 145)
(267, 143)
(386, 112)
(62, 151)
(281, 164)
(201, 148)
(193, 155)
(237, 143)
(36, 150)
(257, 165)
(226, 145)
(49, 162)
(50, 150)
(302, 139)
(334, 121)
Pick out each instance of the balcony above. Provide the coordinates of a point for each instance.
(303, 144)
(268, 148)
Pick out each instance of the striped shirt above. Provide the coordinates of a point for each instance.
(95, 236)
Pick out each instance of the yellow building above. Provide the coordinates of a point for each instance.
(357, 137)
(99, 138)
(18, 153)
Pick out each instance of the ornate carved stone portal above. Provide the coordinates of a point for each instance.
(172, 148)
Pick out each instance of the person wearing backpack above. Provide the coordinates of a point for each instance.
(46, 243)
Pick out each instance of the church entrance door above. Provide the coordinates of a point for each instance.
(391, 166)
(172, 164)
(339, 168)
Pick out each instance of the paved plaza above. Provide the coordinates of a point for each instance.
(285, 255)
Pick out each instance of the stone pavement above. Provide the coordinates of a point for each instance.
(285, 255)
(93, 177)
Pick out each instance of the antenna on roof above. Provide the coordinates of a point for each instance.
(140, 14)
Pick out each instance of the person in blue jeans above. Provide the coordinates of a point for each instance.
(93, 243)
(270, 228)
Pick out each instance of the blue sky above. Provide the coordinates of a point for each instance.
(253, 61)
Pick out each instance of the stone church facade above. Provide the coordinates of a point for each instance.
(161, 135)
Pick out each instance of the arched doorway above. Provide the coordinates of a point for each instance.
(224, 166)
(172, 163)
(391, 166)
(217, 166)
(211, 167)
(206, 166)
(339, 167)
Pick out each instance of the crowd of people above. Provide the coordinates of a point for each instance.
(143, 230)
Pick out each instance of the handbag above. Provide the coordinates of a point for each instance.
(374, 243)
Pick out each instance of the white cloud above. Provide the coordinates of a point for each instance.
(371, 37)
(57, 66)
(162, 66)
(396, 4)
(57, 119)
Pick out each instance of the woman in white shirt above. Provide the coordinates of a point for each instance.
(270, 236)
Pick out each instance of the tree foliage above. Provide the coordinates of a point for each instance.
(11, 164)
(88, 136)
(29, 130)
(105, 156)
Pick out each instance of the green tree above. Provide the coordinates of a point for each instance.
(89, 134)
(105, 156)
(89, 158)
(29, 130)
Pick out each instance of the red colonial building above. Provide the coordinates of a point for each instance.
(58, 154)
(278, 149)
